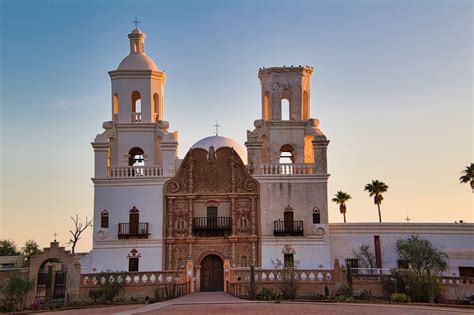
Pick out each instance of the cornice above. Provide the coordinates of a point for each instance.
(401, 228)
(124, 127)
(305, 71)
(317, 178)
(113, 244)
(130, 181)
(137, 74)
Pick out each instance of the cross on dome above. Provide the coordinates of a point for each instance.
(217, 128)
(136, 22)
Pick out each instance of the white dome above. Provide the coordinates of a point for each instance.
(137, 61)
(219, 142)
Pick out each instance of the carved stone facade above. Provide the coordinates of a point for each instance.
(212, 180)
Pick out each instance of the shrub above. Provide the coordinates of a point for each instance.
(269, 294)
(14, 290)
(326, 291)
(95, 295)
(415, 286)
(365, 295)
(344, 298)
(344, 290)
(400, 297)
(289, 279)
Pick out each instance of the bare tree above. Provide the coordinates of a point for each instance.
(77, 230)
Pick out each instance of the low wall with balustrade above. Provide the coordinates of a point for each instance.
(308, 282)
(453, 288)
(135, 284)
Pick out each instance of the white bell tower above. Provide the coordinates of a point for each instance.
(134, 157)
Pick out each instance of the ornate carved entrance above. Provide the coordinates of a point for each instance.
(212, 273)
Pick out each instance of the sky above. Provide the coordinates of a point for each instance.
(392, 89)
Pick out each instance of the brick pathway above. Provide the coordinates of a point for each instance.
(219, 303)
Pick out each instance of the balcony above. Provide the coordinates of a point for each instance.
(211, 226)
(136, 117)
(287, 169)
(287, 228)
(135, 171)
(127, 230)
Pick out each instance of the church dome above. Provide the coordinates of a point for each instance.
(219, 142)
(137, 61)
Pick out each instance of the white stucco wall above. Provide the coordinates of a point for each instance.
(309, 253)
(457, 240)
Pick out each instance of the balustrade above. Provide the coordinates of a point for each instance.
(288, 169)
(135, 171)
(136, 117)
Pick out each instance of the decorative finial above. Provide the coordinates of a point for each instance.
(55, 234)
(407, 219)
(217, 128)
(136, 22)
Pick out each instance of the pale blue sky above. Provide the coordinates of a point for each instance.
(392, 88)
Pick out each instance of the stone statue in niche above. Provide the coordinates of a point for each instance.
(243, 213)
(180, 218)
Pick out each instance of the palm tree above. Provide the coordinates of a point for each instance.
(340, 198)
(376, 189)
(468, 175)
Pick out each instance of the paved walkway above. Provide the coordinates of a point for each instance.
(219, 303)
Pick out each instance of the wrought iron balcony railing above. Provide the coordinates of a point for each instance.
(287, 228)
(130, 230)
(211, 226)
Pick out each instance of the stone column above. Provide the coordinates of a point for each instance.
(320, 155)
(100, 157)
(253, 216)
(233, 216)
(170, 216)
(190, 216)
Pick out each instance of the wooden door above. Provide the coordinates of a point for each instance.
(212, 274)
(134, 219)
(288, 218)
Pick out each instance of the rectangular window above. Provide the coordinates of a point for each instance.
(466, 271)
(289, 260)
(104, 221)
(353, 264)
(316, 218)
(133, 264)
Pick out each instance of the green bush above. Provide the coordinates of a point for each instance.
(269, 294)
(344, 290)
(365, 295)
(415, 286)
(96, 295)
(344, 299)
(14, 290)
(400, 297)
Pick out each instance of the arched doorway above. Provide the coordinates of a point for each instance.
(212, 273)
(51, 282)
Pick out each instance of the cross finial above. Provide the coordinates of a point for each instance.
(407, 219)
(55, 234)
(136, 22)
(217, 128)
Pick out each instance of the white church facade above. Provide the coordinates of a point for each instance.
(222, 203)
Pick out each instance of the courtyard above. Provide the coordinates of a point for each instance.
(221, 303)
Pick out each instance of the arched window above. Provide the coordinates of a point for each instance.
(156, 106)
(116, 107)
(266, 106)
(104, 219)
(285, 109)
(286, 105)
(136, 157)
(136, 106)
(286, 154)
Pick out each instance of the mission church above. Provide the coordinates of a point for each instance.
(225, 205)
